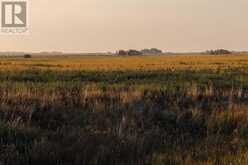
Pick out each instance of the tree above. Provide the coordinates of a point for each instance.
(133, 52)
(152, 51)
(156, 51)
(122, 52)
(219, 52)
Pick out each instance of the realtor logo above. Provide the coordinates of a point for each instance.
(14, 15)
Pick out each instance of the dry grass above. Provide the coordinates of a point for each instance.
(107, 63)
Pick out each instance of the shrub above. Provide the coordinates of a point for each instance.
(27, 56)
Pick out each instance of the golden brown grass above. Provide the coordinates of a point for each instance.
(108, 63)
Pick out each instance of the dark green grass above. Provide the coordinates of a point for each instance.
(222, 78)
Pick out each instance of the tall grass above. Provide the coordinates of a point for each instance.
(148, 117)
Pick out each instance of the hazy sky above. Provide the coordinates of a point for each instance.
(109, 25)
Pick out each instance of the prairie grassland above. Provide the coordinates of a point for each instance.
(109, 110)
(113, 63)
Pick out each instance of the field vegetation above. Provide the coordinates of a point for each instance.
(117, 63)
(189, 109)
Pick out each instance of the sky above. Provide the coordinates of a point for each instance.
(110, 25)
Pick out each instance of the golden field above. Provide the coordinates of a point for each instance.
(109, 63)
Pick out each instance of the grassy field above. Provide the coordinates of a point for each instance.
(188, 109)
(113, 63)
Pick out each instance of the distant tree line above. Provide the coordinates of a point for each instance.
(155, 51)
(218, 52)
(132, 52)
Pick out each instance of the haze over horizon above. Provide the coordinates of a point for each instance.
(109, 25)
